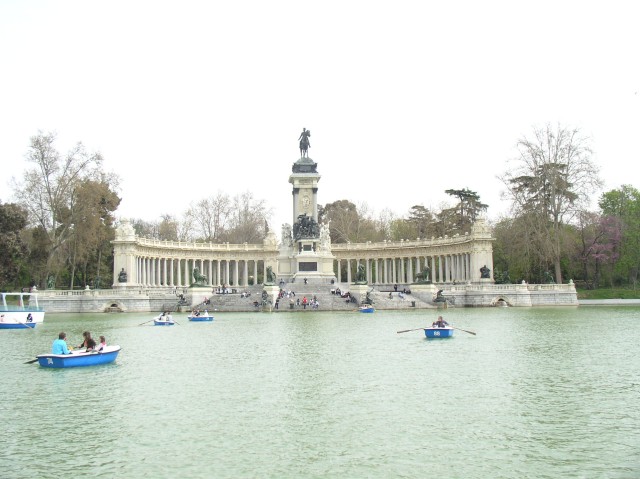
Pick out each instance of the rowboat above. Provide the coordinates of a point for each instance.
(201, 317)
(21, 315)
(445, 332)
(163, 320)
(366, 309)
(79, 358)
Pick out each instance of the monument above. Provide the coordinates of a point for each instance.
(305, 249)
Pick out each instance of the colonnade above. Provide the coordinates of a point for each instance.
(154, 263)
(443, 268)
(177, 272)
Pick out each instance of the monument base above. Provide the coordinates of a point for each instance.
(272, 291)
(359, 291)
(197, 294)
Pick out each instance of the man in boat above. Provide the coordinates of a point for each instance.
(60, 345)
(440, 323)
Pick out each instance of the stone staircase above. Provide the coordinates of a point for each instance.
(383, 296)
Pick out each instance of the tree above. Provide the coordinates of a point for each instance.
(211, 216)
(13, 250)
(470, 207)
(168, 228)
(624, 204)
(48, 189)
(599, 242)
(422, 220)
(349, 223)
(552, 181)
(344, 219)
(92, 226)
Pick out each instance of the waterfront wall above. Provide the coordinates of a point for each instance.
(384, 296)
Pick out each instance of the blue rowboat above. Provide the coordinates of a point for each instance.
(23, 315)
(445, 332)
(366, 309)
(79, 358)
(163, 322)
(202, 317)
(17, 325)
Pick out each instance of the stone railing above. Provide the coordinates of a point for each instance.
(184, 245)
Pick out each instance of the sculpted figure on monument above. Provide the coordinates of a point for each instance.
(198, 278)
(271, 276)
(484, 272)
(423, 277)
(286, 239)
(325, 237)
(361, 274)
(122, 276)
(305, 227)
(304, 143)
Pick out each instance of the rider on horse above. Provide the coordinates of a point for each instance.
(304, 142)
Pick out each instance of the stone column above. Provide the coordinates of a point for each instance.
(255, 271)
(236, 273)
(394, 271)
(186, 272)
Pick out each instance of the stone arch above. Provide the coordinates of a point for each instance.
(114, 307)
(502, 300)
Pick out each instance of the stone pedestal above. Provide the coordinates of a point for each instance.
(359, 291)
(197, 294)
(272, 291)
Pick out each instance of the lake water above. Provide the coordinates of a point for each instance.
(537, 393)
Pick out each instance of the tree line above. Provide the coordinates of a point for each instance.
(58, 229)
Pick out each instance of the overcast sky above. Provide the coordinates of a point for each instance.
(404, 99)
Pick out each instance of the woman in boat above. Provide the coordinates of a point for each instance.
(89, 343)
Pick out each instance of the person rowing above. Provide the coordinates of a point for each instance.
(440, 323)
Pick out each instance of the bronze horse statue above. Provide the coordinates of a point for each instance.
(304, 143)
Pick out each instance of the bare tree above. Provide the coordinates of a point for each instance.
(48, 189)
(211, 216)
(552, 179)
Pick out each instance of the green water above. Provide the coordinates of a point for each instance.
(537, 393)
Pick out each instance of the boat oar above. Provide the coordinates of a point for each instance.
(470, 332)
(146, 322)
(407, 330)
(25, 325)
(31, 361)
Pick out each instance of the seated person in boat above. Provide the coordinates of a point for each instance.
(103, 344)
(89, 343)
(440, 323)
(60, 345)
